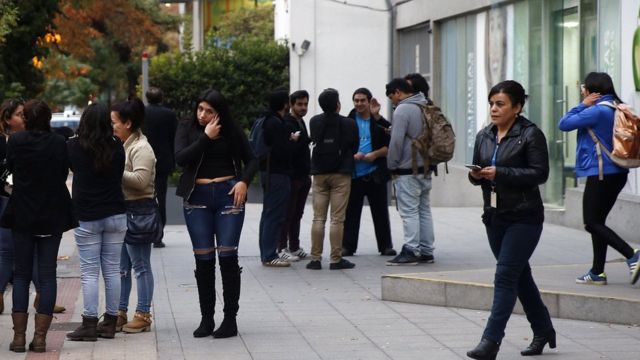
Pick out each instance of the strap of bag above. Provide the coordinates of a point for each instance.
(599, 149)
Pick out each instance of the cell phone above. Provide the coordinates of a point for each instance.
(473, 167)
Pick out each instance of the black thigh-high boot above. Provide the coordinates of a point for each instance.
(205, 279)
(230, 272)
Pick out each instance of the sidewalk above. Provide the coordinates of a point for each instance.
(295, 313)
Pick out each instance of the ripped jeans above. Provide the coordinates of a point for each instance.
(212, 220)
(138, 257)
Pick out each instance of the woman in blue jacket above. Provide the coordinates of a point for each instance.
(599, 194)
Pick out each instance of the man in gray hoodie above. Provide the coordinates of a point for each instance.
(412, 190)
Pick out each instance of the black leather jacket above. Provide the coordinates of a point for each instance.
(522, 163)
(190, 145)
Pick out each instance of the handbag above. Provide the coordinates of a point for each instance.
(144, 225)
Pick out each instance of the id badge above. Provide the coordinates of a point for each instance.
(494, 199)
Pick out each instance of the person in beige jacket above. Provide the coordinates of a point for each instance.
(138, 189)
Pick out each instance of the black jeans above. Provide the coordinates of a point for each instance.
(290, 234)
(597, 201)
(513, 244)
(47, 250)
(161, 193)
(376, 194)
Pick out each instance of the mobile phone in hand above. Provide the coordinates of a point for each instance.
(473, 167)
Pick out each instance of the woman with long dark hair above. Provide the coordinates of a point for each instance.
(39, 211)
(512, 153)
(139, 194)
(605, 179)
(97, 162)
(218, 167)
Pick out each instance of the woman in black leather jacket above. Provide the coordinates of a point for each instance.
(218, 168)
(512, 154)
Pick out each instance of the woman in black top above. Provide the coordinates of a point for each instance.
(512, 153)
(218, 167)
(97, 161)
(39, 211)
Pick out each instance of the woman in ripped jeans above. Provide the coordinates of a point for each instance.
(218, 167)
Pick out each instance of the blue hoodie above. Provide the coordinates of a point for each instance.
(600, 119)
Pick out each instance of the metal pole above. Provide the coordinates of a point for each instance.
(145, 76)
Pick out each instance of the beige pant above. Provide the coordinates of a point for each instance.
(329, 189)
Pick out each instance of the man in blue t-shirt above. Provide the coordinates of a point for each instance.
(370, 175)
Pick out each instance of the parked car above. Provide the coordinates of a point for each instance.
(65, 124)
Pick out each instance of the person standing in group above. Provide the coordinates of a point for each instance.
(38, 212)
(369, 178)
(138, 188)
(289, 245)
(596, 114)
(332, 163)
(513, 159)
(159, 127)
(275, 177)
(412, 189)
(218, 168)
(97, 161)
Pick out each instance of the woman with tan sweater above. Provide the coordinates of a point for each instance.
(138, 189)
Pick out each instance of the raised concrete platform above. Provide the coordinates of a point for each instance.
(618, 302)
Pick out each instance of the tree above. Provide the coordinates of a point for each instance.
(241, 61)
(27, 22)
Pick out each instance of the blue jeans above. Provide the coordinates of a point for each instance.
(414, 206)
(212, 220)
(513, 244)
(99, 245)
(274, 213)
(137, 256)
(25, 245)
(6, 258)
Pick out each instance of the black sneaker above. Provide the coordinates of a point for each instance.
(404, 258)
(159, 244)
(426, 259)
(347, 252)
(341, 265)
(388, 252)
(314, 265)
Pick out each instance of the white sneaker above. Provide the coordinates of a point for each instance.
(277, 262)
(287, 256)
(299, 253)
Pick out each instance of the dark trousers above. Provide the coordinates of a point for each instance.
(377, 196)
(274, 211)
(290, 234)
(597, 201)
(161, 193)
(513, 244)
(25, 245)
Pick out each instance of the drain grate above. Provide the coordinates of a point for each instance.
(64, 326)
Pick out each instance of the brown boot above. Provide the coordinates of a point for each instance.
(57, 309)
(19, 329)
(39, 342)
(107, 327)
(86, 331)
(122, 319)
(141, 322)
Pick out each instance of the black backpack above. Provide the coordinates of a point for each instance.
(327, 151)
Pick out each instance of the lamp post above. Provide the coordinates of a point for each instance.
(303, 49)
(145, 76)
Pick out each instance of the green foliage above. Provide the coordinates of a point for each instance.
(8, 18)
(245, 67)
(32, 20)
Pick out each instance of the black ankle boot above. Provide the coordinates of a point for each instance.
(85, 332)
(230, 272)
(486, 350)
(538, 343)
(205, 279)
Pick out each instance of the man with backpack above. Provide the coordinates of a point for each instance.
(275, 175)
(335, 141)
(412, 182)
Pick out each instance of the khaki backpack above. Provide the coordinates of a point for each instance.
(626, 139)
(436, 142)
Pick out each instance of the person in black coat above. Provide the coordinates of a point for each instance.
(38, 212)
(159, 127)
(514, 161)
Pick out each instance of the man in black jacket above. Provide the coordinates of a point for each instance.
(370, 176)
(159, 127)
(289, 246)
(275, 176)
(336, 141)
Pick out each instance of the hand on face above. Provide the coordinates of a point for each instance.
(591, 98)
(213, 127)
